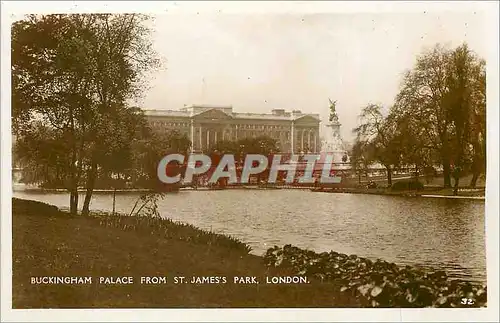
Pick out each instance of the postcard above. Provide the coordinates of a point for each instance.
(250, 161)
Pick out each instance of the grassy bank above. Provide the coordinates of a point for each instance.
(49, 242)
(428, 190)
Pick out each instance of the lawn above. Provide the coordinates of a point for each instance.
(48, 242)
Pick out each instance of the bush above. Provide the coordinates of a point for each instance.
(429, 173)
(407, 186)
(28, 207)
(378, 283)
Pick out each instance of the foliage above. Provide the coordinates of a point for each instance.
(20, 206)
(378, 283)
(260, 145)
(148, 205)
(73, 77)
(149, 221)
(360, 157)
(438, 118)
(147, 153)
(438, 100)
(378, 135)
(429, 173)
(263, 145)
(411, 185)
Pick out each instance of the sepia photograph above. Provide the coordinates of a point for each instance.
(260, 155)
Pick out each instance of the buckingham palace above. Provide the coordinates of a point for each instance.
(296, 132)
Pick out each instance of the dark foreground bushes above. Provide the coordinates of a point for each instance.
(407, 186)
(29, 207)
(379, 283)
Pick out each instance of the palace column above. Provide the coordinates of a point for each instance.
(201, 142)
(318, 146)
(291, 139)
(302, 140)
(309, 140)
(208, 139)
(192, 134)
(315, 143)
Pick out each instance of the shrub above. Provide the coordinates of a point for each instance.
(378, 283)
(429, 173)
(28, 207)
(413, 185)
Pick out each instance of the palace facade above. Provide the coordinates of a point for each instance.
(296, 132)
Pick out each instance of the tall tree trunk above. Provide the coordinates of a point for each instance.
(475, 171)
(473, 181)
(457, 172)
(476, 164)
(91, 177)
(455, 187)
(446, 173)
(73, 187)
(389, 175)
(73, 201)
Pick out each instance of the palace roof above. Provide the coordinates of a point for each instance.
(191, 111)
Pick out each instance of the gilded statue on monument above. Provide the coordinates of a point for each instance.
(333, 113)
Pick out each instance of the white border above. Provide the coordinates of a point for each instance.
(11, 10)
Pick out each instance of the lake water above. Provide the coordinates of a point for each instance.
(441, 233)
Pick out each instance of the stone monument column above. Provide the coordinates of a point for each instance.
(332, 142)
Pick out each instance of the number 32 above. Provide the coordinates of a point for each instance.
(467, 301)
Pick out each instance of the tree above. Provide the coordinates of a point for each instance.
(359, 158)
(421, 96)
(463, 98)
(41, 152)
(377, 133)
(441, 107)
(411, 141)
(226, 147)
(478, 123)
(263, 145)
(148, 151)
(48, 92)
(76, 74)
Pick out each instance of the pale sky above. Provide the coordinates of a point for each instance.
(259, 62)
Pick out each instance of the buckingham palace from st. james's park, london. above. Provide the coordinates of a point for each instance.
(206, 125)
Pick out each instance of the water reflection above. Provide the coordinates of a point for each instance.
(441, 233)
